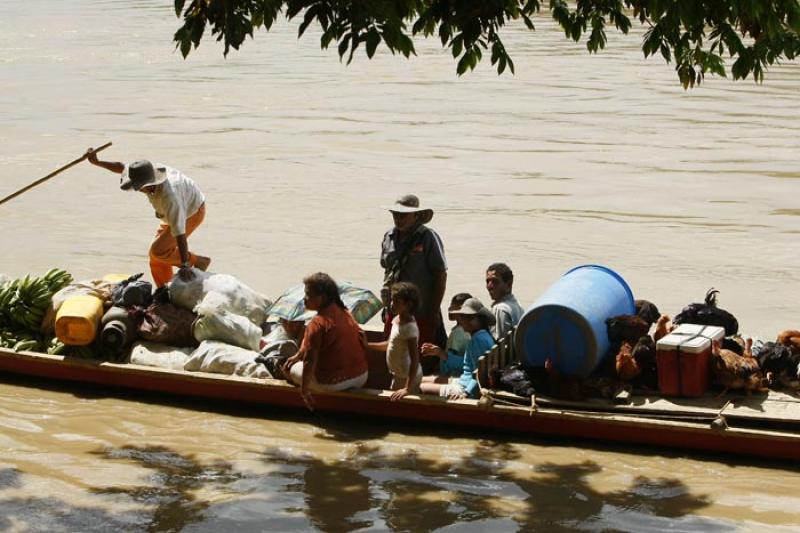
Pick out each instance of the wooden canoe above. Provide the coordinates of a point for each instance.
(763, 427)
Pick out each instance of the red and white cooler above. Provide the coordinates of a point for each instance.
(683, 359)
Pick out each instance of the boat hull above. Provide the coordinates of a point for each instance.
(593, 426)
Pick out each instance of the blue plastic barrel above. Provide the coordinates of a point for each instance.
(568, 322)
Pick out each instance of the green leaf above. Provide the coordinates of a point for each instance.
(179, 7)
(186, 46)
(665, 52)
(444, 33)
(327, 37)
(309, 17)
(458, 43)
(344, 43)
(373, 39)
(463, 64)
(528, 22)
(355, 43)
(418, 26)
(406, 45)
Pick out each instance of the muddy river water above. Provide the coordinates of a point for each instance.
(576, 159)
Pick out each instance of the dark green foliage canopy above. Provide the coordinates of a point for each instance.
(695, 34)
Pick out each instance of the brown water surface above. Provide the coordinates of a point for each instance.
(576, 159)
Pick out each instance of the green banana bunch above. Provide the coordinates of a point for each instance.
(31, 345)
(56, 347)
(23, 304)
(19, 340)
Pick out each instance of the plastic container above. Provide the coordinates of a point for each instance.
(78, 320)
(568, 322)
(115, 278)
(683, 359)
(119, 329)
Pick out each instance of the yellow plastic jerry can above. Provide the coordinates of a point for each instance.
(115, 278)
(78, 320)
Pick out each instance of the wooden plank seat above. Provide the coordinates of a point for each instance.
(500, 356)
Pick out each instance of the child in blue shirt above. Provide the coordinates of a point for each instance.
(451, 360)
(476, 320)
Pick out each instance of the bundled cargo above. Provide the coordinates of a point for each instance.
(221, 358)
(214, 322)
(119, 329)
(238, 297)
(79, 309)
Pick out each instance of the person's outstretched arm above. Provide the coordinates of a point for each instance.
(113, 166)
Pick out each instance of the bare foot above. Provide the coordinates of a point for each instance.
(202, 262)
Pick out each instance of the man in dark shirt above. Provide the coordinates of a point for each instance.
(414, 253)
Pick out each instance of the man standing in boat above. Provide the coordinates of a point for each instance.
(179, 204)
(414, 253)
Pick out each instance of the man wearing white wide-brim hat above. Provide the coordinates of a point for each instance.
(414, 253)
(179, 204)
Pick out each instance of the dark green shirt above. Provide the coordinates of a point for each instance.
(426, 261)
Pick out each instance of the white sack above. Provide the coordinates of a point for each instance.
(216, 323)
(239, 298)
(159, 355)
(221, 358)
(277, 343)
(187, 294)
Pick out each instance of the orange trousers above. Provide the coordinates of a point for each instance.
(164, 253)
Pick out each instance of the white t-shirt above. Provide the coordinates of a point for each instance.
(177, 199)
(397, 357)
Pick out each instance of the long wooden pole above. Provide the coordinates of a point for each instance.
(51, 175)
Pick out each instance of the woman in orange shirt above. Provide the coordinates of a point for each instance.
(331, 356)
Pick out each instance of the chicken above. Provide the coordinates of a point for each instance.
(780, 364)
(645, 354)
(647, 311)
(708, 314)
(514, 379)
(790, 338)
(663, 327)
(734, 343)
(625, 363)
(626, 328)
(734, 371)
(635, 362)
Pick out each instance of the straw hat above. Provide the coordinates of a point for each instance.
(409, 203)
(142, 174)
(473, 306)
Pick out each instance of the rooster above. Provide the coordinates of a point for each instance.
(708, 314)
(734, 371)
